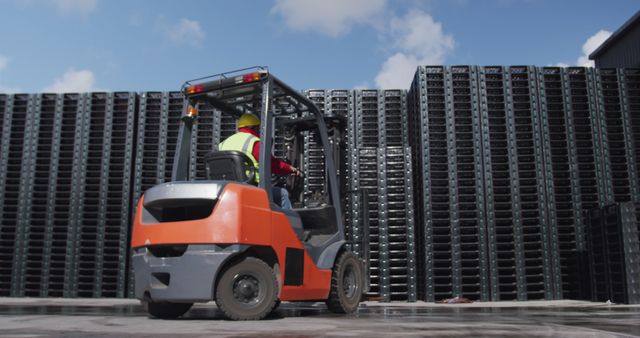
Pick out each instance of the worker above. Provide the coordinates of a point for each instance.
(247, 140)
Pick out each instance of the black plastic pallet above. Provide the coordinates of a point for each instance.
(613, 253)
(631, 106)
(365, 177)
(445, 137)
(571, 167)
(396, 225)
(336, 103)
(48, 245)
(205, 139)
(381, 118)
(620, 180)
(102, 226)
(313, 163)
(523, 250)
(16, 143)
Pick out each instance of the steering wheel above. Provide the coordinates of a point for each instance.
(279, 181)
(293, 183)
(296, 184)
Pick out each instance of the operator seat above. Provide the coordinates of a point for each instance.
(230, 166)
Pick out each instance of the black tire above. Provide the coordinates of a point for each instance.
(166, 310)
(275, 307)
(347, 284)
(247, 290)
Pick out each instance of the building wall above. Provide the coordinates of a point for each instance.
(624, 53)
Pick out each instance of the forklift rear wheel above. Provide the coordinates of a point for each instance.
(166, 310)
(346, 284)
(247, 290)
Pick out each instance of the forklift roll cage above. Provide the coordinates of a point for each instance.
(254, 90)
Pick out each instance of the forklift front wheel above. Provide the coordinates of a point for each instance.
(166, 310)
(346, 284)
(247, 290)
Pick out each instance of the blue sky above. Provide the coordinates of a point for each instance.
(145, 45)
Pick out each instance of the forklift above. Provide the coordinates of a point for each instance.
(224, 239)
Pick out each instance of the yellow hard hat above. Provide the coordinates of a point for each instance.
(248, 120)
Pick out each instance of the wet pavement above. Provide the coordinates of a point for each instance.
(31, 317)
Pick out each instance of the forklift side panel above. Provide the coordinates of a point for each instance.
(316, 282)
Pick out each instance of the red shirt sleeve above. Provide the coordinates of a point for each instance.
(278, 166)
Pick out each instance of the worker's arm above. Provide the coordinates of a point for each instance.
(278, 166)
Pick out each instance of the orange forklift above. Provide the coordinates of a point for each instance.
(224, 238)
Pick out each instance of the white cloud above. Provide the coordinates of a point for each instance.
(186, 31)
(328, 17)
(560, 64)
(4, 61)
(420, 41)
(75, 6)
(590, 45)
(73, 81)
(397, 71)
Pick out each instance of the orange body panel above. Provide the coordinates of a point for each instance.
(316, 282)
(242, 215)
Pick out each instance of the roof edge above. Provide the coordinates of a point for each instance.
(635, 19)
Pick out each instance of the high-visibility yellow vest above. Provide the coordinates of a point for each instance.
(242, 142)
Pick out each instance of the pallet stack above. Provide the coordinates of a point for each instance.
(620, 177)
(477, 180)
(16, 152)
(614, 253)
(380, 130)
(104, 192)
(446, 144)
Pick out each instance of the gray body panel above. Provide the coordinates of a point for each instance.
(183, 190)
(192, 275)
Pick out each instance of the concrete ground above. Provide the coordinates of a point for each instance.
(38, 317)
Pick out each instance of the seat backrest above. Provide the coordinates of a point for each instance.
(230, 166)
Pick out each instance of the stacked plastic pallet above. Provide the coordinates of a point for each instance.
(227, 125)
(392, 114)
(428, 139)
(573, 173)
(621, 182)
(281, 145)
(470, 277)
(559, 179)
(631, 91)
(151, 143)
(522, 244)
(205, 139)
(446, 143)
(17, 127)
(101, 227)
(364, 176)
(366, 118)
(614, 253)
(313, 153)
(7, 227)
(175, 105)
(396, 223)
(31, 256)
(336, 105)
(339, 108)
(363, 131)
(50, 205)
(617, 137)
